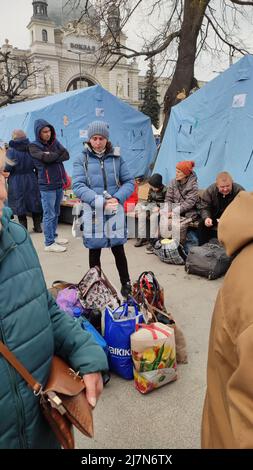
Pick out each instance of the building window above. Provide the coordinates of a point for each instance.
(141, 94)
(75, 84)
(44, 35)
(22, 76)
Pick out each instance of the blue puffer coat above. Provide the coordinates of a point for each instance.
(92, 175)
(23, 189)
(33, 328)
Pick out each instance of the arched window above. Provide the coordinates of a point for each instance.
(44, 35)
(75, 84)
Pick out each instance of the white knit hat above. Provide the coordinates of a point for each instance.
(98, 128)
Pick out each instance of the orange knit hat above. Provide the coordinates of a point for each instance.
(186, 166)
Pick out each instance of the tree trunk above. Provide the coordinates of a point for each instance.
(184, 73)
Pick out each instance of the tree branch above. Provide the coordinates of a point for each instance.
(241, 2)
(223, 39)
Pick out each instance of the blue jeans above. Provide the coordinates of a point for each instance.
(51, 203)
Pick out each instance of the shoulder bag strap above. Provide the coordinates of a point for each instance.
(11, 358)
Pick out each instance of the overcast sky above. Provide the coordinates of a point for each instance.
(15, 16)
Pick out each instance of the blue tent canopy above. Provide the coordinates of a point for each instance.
(214, 127)
(71, 112)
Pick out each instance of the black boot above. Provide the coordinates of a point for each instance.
(126, 289)
(22, 220)
(36, 222)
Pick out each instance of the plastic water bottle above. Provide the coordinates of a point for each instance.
(77, 313)
(113, 209)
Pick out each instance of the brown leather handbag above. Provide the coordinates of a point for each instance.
(63, 399)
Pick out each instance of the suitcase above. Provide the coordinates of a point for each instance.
(209, 260)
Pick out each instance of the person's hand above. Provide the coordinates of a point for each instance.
(208, 222)
(112, 204)
(112, 201)
(5, 174)
(94, 387)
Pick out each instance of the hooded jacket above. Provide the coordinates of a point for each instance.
(48, 158)
(33, 328)
(227, 421)
(23, 189)
(92, 175)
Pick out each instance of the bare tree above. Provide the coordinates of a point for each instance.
(17, 74)
(182, 29)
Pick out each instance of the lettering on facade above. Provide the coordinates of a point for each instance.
(82, 47)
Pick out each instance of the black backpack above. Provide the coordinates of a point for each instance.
(209, 260)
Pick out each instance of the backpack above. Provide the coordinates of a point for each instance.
(209, 260)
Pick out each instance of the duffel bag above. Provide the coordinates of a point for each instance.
(209, 260)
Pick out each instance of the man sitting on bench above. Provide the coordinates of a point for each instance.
(214, 201)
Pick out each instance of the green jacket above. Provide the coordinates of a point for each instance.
(34, 329)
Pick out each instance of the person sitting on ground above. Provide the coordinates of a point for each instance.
(214, 201)
(183, 192)
(23, 189)
(156, 196)
(35, 329)
(48, 156)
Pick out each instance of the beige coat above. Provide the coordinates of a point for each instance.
(228, 410)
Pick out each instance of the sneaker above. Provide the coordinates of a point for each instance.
(61, 241)
(126, 289)
(140, 242)
(56, 248)
(149, 250)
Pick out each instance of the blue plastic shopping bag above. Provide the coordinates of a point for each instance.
(86, 325)
(119, 325)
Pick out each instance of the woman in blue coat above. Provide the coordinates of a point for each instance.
(101, 180)
(23, 189)
(34, 328)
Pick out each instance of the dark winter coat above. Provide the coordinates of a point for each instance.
(157, 197)
(185, 194)
(23, 189)
(214, 203)
(34, 329)
(91, 177)
(48, 159)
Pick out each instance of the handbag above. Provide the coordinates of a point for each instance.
(96, 290)
(63, 399)
(148, 288)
